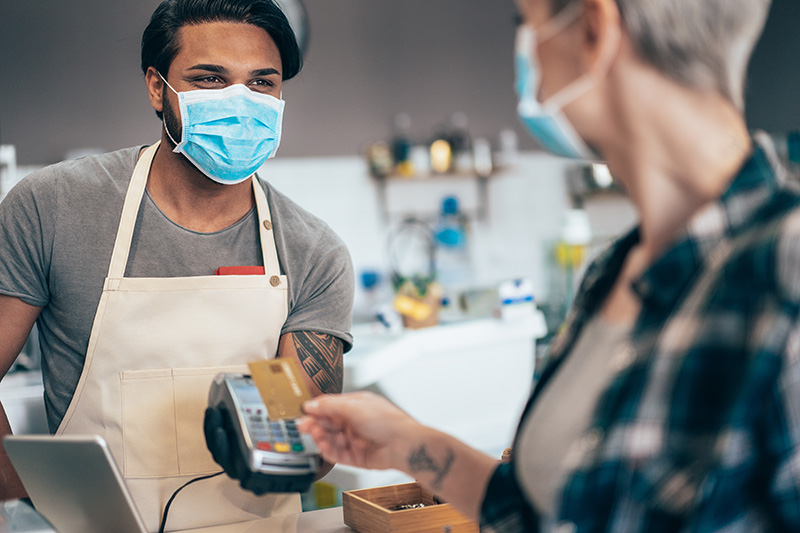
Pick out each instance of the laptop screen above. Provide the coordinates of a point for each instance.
(74, 483)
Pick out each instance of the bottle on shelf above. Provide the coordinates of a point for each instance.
(401, 145)
(453, 259)
(461, 144)
(441, 156)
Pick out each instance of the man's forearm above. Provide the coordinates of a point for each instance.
(10, 484)
(320, 357)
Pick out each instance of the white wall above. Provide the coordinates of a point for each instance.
(526, 204)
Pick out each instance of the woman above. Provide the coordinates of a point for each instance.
(671, 400)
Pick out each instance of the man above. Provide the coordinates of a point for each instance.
(670, 399)
(115, 256)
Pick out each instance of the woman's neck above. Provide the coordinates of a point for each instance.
(676, 156)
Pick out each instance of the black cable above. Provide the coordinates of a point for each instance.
(166, 508)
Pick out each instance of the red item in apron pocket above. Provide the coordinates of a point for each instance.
(240, 271)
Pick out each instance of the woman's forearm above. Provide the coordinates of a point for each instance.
(454, 471)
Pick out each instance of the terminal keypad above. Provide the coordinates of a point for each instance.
(280, 436)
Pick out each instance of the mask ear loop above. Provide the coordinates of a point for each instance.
(532, 38)
(558, 22)
(163, 120)
(166, 82)
(585, 83)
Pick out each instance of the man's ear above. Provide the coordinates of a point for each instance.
(155, 88)
(602, 34)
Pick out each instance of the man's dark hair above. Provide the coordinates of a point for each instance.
(160, 43)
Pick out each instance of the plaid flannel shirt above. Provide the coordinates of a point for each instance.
(700, 430)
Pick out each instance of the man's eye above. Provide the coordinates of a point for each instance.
(262, 86)
(208, 81)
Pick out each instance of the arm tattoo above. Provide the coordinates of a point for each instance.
(420, 461)
(321, 357)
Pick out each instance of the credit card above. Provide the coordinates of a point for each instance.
(281, 386)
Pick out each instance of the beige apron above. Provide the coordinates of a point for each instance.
(155, 346)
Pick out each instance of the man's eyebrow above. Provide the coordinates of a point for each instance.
(219, 69)
(265, 72)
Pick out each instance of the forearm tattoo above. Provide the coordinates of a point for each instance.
(420, 461)
(321, 357)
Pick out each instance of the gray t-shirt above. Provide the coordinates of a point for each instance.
(57, 231)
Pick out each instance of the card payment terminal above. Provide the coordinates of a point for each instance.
(276, 456)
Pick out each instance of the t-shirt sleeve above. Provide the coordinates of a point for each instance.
(27, 227)
(324, 301)
(505, 508)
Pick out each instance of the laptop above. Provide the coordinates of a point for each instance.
(74, 483)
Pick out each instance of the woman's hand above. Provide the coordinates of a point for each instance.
(360, 429)
(367, 430)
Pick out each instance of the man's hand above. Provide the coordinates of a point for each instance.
(320, 357)
(221, 442)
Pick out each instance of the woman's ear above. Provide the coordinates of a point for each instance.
(155, 89)
(601, 29)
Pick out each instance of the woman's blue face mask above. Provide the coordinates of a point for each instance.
(545, 121)
(228, 133)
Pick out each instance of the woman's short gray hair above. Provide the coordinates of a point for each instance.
(705, 44)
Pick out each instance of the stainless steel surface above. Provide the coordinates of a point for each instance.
(18, 516)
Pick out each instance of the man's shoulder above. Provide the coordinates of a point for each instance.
(111, 168)
(82, 188)
(289, 217)
(305, 242)
(117, 164)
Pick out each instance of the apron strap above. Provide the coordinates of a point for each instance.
(130, 210)
(265, 230)
(122, 245)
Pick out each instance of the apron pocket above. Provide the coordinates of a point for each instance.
(149, 442)
(191, 387)
(162, 421)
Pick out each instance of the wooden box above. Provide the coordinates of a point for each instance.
(370, 511)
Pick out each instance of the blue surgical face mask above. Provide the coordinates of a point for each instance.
(228, 133)
(546, 121)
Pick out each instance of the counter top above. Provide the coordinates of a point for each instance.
(322, 521)
(378, 352)
(18, 517)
